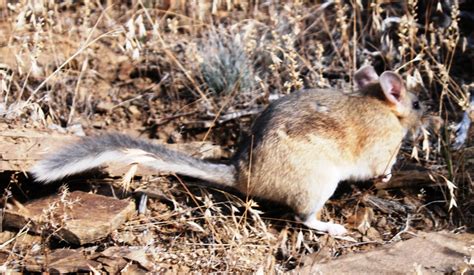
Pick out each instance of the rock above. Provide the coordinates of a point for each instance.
(6, 236)
(104, 106)
(133, 109)
(113, 256)
(63, 261)
(112, 265)
(20, 241)
(373, 234)
(20, 148)
(436, 252)
(78, 218)
(112, 261)
(382, 222)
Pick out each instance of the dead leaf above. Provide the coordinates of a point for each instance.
(362, 219)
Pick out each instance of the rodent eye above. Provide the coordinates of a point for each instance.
(416, 105)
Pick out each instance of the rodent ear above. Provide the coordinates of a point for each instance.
(393, 87)
(365, 75)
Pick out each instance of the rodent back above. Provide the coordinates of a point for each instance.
(326, 113)
(356, 122)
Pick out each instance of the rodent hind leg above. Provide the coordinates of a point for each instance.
(320, 194)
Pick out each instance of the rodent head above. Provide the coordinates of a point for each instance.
(391, 89)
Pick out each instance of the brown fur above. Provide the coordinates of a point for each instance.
(309, 129)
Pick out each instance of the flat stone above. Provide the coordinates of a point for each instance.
(79, 218)
(19, 241)
(428, 253)
(21, 148)
(113, 258)
(63, 261)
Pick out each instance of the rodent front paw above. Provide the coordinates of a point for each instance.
(386, 178)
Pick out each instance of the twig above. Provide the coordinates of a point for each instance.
(403, 179)
(76, 90)
(235, 115)
(388, 206)
(404, 230)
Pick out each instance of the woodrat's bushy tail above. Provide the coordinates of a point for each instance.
(93, 152)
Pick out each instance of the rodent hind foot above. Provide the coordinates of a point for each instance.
(332, 229)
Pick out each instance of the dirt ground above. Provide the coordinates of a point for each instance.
(181, 72)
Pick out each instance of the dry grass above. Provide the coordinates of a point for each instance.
(197, 71)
